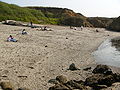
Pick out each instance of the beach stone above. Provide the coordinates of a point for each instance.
(102, 69)
(53, 81)
(59, 87)
(72, 67)
(76, 85)
(23, 89)
(6, 86)
(99, 79)
(61, 79)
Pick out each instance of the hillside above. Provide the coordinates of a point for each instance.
(100, 21)
(50, 15)
(10, 11)
(66, 16)
(115, 25)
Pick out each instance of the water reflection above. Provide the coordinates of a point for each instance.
(107, 54)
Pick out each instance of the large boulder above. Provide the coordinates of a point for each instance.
(99, 79)
(102, 69)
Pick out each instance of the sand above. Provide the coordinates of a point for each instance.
(42, 55)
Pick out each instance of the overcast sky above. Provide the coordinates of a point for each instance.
(89, 8)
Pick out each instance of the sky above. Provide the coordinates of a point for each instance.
(89, 8)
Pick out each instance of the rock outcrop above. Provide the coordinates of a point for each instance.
(115, 25)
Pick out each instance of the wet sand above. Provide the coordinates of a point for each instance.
(42, 55)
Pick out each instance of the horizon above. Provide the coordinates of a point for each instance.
(93, 8)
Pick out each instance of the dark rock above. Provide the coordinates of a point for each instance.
(61, 79)
(99, 87)
(99, 79)
(46, 46)
(6, 86)
(86, 69)
(102, 69)
(53, 81)
(73, 67)
(76, 85)
(116, 77)
(23, 89)
(59, 87)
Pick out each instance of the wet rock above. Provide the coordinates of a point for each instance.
(59, 87)
(72, 67)
(99, 79)
(6, 86)
(61, 79)
(102, 69)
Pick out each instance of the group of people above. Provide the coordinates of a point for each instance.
(75, 28)
(11, 39)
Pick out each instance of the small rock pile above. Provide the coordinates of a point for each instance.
(102, 77)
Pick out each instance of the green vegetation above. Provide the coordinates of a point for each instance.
(50, 15)
(14, 12)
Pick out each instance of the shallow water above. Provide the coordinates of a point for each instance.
(107, 54)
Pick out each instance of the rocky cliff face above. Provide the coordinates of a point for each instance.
(115, 25)
(100, 22)
(66, 16)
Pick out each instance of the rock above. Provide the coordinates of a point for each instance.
(59, 87)
(102, 69)
(73, 67)
(53, 81)
(6, 86)
(23, 89)
(99, 79)
(62, 79)
(115, 25)
(86, 69)
(116, 77)
(76, 85)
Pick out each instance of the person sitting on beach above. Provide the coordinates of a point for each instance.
(75, 28)
(11, 39)
(24, 32)
(45, 28)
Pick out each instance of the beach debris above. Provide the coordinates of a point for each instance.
(46, 46)
(72, 67)
(6, 86)
(66, 37)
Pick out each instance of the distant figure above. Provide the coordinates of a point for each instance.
(75, 28)
(31, 23)
(81, 28)
(45, 28)
(71, 27)
(24, 32)
(97, 30)
(11, 39)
